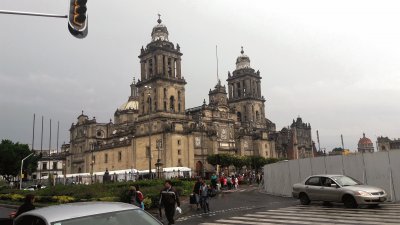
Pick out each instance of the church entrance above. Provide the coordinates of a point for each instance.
(199, 168)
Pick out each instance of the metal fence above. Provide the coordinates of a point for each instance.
(381, 169)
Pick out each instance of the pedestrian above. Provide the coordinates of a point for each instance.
(196, 191)
(236, 183)
(169, 199)
(134, 197)
(27, 206)
(225, 181)
(214, 181)
(204, 196)
(140, 196)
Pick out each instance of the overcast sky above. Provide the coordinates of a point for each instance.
(334, 63)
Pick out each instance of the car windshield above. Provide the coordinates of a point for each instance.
(127, 217)
(346, 181)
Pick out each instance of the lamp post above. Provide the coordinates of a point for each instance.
(91, 163)
(148, 88)
(22, 165)
(159, 163)
(202, 148)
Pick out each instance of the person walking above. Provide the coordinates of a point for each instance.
(27, 206)
(236, 183)
(169, 199)
(196, 191)
(204, 189)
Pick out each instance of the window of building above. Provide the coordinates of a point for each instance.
(93, 159)
(54, 165)
(119, 156)
(179, 152)
(44, 166)
(169, 68)
(165, 93)
(165, 106)
(106, 158)
(172, 103)
(179, 107)
(147, 152)
(179, 162)
(150, 67)
(179, 142)
(258, 116)
(239, 116)
(179, 95)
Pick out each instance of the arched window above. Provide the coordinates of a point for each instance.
(165, 93)
(149, 103)
(239, 116)
(165, 106)
(179, 107)
(179, 95)
(172, 104)
(258, 116)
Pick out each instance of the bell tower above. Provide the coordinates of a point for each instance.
(162, 86)
(244, 88)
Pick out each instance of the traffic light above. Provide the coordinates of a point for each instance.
(78, 20)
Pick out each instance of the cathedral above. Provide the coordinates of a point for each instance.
(154, 129)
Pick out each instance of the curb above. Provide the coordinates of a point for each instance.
(9, 206)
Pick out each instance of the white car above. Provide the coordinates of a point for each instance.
(87, 213)
(33, 187)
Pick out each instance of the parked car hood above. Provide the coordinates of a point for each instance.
(366, 188)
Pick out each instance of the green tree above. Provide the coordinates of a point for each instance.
(213, 159)
(239, 161)
(11, 155)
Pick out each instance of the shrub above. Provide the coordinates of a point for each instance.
(147, 203)
(108, 199)
(63, 199)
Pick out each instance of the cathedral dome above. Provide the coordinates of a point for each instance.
(243, 61)
(160, 31)
(131, 104)
(364, 141)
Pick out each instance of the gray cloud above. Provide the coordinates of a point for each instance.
(334, 64)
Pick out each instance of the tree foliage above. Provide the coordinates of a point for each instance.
(225, 160)
(11, 155)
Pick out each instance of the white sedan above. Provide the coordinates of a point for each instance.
(87, 213)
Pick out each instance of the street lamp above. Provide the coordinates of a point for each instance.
(22, 165)
(159, 163)
(148, 88)
(202, 148)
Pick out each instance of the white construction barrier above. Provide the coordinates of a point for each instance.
(381, 169)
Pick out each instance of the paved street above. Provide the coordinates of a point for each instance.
(5, 212)
(251, 207)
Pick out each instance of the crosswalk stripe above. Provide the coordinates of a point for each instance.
(337, 216)
(332, 213)
(317, 215)
(346, 210)
(315, 220)
(335, 210)
(277, 220)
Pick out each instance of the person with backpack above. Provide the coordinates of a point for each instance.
(140, 196)
(134, 197)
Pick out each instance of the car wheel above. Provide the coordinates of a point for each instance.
(304, 200)
(349, 202)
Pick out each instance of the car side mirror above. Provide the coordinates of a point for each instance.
(334, 185)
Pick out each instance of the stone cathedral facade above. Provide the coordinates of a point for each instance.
(154, 125)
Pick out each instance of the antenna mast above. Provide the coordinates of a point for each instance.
(341, 137)
(216, 55)
(319, 146)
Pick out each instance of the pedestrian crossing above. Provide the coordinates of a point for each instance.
(317, 215)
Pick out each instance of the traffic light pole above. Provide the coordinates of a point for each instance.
(32, 14)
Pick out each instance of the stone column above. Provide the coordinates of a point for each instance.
(178, 68)
(166, 66)
(173, 67)
(143, 70)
